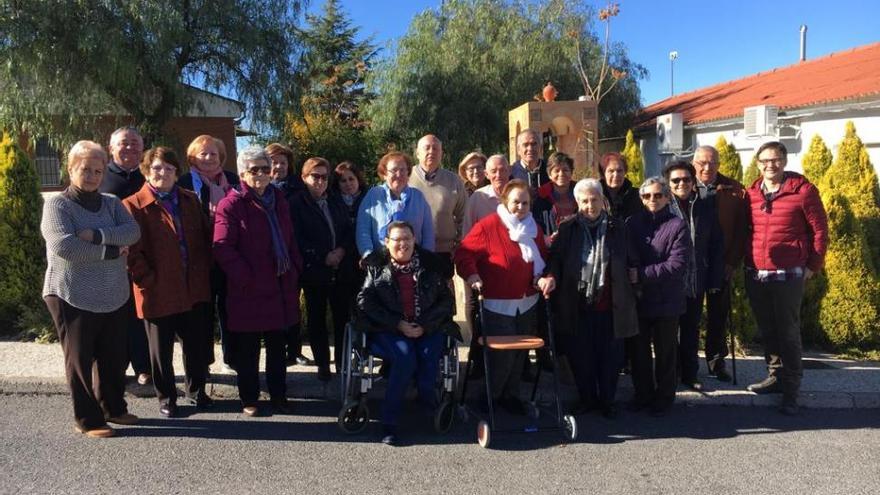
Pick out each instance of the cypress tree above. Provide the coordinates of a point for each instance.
(817, 160)
(752, 173)
(730, 164)
(635, 164)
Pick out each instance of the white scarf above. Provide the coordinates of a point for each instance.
(523, 232)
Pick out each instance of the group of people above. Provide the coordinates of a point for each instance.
(173, 248)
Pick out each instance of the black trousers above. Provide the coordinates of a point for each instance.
(594, 356)
(138, 349)
(654, 376)
(94, 346)
(689, 339)
(777, 310)
(190, 327)
(246, 349)
(218, 311)
(293, 341)
(317, 298)
(717, 309)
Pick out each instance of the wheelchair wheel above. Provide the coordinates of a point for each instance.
(354, 417)
(445, 415)
(484, 436)
(345, 376)
(570, 430)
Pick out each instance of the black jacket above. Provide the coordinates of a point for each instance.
(120, 182)
(708, 244)
(625, 203)
(314, 238)
(186, 182)
(565, 265)
(378, 305)
(290, 186)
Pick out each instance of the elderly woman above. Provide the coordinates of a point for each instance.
(393, 201)
(170, 267)
(88, 235)
(555, 202)
(623, 198)
(325, 237)
(283, 176)
(406, 306)
(503, 256)
(472, 170)
(595, 302)
(663, 246)
(205, 157)
(705, 267)
(255, 245)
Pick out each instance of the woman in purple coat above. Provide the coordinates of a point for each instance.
(254, 245)
(663, 246)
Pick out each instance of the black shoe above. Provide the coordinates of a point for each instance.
(389, 436)
(769, 386)
(204, 401)
(168, 410)
(324, 374)
(693, 384)
(610, 411)
(513, 405)
(281, 407)
(300, 360)
(721, 375)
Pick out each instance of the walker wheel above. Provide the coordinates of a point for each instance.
(444, 416)
(353, 417)
(571, 428)
(483, 434)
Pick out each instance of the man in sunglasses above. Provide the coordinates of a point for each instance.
(704, 270)
(789, 236)
(733, 212)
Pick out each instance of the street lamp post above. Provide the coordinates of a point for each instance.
(672, 56)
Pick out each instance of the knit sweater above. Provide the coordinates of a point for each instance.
(482, 203)
(447, 197)
(78, 271)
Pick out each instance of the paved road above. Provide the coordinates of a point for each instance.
(712, 450)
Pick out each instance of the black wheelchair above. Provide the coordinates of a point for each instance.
(360, 371)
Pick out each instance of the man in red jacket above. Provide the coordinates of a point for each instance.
(789, 236)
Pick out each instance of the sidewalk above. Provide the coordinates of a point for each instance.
(30, 368)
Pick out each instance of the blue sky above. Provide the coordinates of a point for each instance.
(716, 40)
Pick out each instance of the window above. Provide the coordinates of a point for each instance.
(48, 162)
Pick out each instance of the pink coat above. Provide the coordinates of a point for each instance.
(257, 300)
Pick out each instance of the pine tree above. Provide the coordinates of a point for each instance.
(817, 160)
(852, 174)
(634, 162)
(752, 173)
(22, 253)
(848, 312)
(730, 164)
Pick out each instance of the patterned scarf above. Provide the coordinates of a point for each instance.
(282, 259)
(410, 267)
(523, 232)
(218, 186)
(594, 256)
(690, 280)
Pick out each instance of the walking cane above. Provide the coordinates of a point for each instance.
(731, 329)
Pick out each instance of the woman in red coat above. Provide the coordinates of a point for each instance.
(503, 255)
(255, 246)
(170, 267)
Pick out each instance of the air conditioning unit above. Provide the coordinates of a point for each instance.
(760, 121)
(670, 132)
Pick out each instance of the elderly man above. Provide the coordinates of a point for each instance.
(485, 200)
(445, 194)
(122, 179)
(788, 242)
(530, 167)
(732, 206)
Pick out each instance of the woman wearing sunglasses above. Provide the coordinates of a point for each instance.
(325, 237)
(705, 268)
(662, 244)
(254, 244)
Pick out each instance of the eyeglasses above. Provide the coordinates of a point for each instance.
(654, 196)
(475, 169)
(705, 164)
(768, 161)
(259, 170)
(679, 180)
(318, 177)
(161, 168)
(400, 240)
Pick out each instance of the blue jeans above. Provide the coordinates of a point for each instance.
(408, 358)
